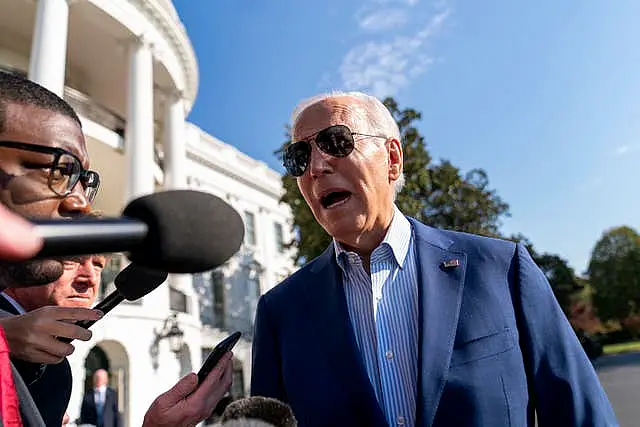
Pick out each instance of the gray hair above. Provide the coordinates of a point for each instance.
(378, 115)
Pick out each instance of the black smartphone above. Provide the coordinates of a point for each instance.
(216, 354)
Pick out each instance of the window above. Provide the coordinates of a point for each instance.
(178, 300)
(277, 228)
(237, 384)
(217, 285)
(205, 298)
(109, 273)
(249, 228)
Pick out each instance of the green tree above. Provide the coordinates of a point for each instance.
(436, 194)
(562, 279)
(462, 202)
(614, 273)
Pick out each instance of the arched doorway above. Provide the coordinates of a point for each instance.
(112, 357)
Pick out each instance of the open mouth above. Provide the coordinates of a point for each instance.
(335, 198)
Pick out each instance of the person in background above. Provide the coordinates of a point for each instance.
(100, 404)
(36, 316)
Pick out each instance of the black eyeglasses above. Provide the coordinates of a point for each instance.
(64, 171)
(336, 141)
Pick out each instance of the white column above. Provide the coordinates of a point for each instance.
(139, 144)
(175, 154)
(49, 45)
(175, 177)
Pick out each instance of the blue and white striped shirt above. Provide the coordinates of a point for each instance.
(383, 308)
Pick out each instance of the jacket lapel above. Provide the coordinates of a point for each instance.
(6, 306)
(327, 304)
(441, 281)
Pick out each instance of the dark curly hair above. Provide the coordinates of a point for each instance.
(19, 90)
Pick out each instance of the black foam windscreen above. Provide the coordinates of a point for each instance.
(136, 281)
(266, 409)
(188, 231)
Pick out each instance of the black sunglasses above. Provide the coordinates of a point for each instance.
(336, 141)
(65, 170)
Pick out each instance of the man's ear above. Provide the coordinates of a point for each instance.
(395, 159)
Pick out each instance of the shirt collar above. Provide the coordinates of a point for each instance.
(14, 303)
(397, 238)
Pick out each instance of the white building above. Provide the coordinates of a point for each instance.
(129, 70)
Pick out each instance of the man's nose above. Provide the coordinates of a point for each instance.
(87, 270)
(320, 163)
(75, 203)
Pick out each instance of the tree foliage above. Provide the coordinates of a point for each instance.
(614, 272)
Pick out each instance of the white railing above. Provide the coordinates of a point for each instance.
(85, 106)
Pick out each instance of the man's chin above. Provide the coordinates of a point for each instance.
(77, 303)
(30, 273)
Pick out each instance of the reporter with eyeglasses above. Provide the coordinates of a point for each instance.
(44, 174)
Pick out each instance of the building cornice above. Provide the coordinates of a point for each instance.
(197, 155)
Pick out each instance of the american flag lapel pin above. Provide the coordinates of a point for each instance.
(450, 264)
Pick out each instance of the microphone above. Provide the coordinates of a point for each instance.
(132, 283)
(244, 422)
(257, 408)
(178, 231)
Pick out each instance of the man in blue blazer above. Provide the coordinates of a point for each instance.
(397, 323)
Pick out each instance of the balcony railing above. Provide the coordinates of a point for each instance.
(85, 106)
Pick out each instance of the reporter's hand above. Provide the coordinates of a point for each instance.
(186, 404)
(32, 336)
(18, 240)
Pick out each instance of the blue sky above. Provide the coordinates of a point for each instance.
(545, 95)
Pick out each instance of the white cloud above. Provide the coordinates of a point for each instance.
(383, 19)
(626, 149)
(382, 68)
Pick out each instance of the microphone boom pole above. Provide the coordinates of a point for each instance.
(82, 236)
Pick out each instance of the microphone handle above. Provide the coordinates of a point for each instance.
(89, 236)
(106, 305)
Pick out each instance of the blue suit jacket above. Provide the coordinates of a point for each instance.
(494, 345)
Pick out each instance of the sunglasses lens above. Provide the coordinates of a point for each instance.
(336, 141)
(296, 158)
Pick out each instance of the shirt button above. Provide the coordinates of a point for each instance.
(389, 355)
(400, 421)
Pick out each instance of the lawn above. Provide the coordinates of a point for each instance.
(625, 347)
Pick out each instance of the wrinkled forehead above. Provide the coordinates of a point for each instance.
(81, 259)
(345, 110)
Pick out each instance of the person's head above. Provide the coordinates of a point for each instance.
(258, 408)
(43, 165)
(100, 378)
(77, 287)
(347, 157)
(244, 422)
